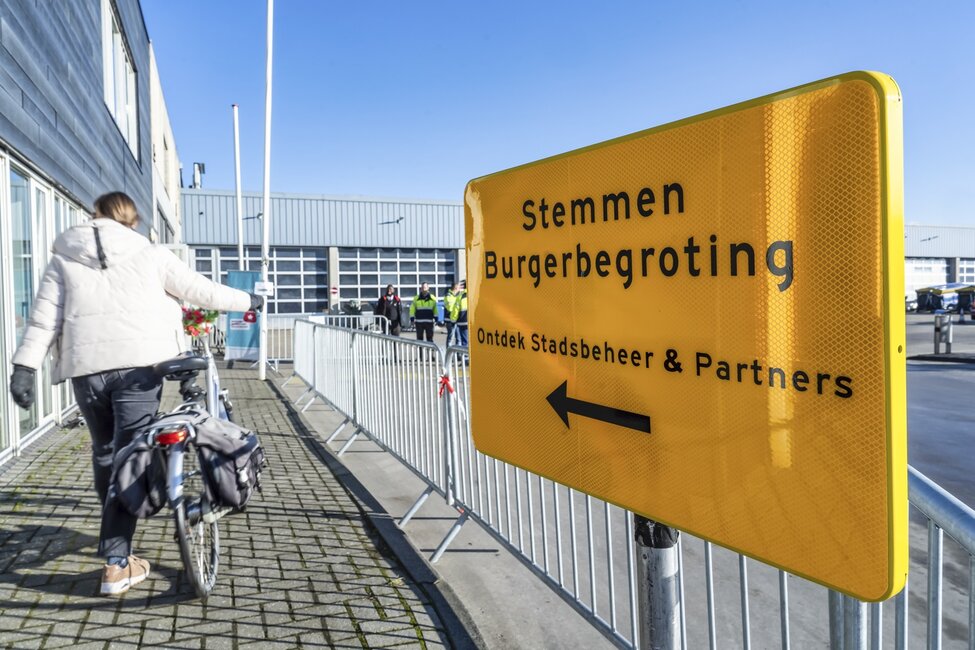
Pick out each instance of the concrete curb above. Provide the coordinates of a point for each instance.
(958, 357)
(459, 625)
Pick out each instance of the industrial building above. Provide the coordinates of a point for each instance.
(329, 251)
(938, 255)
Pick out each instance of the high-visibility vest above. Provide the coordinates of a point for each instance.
(458, 313)
(448, 305)
(424, 311)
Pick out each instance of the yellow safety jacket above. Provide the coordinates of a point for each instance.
(458, 311)
(448, 306)
(424, 310)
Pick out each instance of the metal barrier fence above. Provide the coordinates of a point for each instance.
(583, 547)
(279, 335)
(370, 322)
(280, 327)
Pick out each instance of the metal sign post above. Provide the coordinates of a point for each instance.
(657, 585)
(265, 256)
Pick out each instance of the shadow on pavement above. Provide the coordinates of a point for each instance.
(459, 625)
(42, 560)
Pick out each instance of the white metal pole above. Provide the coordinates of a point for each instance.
(240, 209)
(266, 217)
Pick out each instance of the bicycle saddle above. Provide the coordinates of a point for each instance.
(181, 366)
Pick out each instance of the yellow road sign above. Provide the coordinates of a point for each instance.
(702, 322)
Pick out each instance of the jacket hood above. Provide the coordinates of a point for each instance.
(118, 243)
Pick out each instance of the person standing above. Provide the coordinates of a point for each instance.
(448, 309)
(460, 314)
(390, 306)
(107, 309)
(423, 312)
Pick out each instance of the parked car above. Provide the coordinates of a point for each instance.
(942, 296)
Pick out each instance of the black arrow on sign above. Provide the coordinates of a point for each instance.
(563, 405)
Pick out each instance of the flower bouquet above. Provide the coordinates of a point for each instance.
(197, 322)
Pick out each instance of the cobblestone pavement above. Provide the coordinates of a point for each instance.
(299, 569)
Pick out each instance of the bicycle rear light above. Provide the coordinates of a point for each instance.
(172, 435)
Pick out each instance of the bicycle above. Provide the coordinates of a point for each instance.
(174, 434)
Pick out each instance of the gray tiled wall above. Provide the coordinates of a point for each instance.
(52, 108)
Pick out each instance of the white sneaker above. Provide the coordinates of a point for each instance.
(117, 580)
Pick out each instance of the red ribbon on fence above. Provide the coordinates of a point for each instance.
(445, 383)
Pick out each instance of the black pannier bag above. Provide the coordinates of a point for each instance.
(139, 477)
(232, 459)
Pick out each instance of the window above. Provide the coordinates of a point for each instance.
(37, 215)
(966, 271)
(166, 234)
(300, 275)
(61, 223)
(204, 261)
(120, 77)
(45, 396)
(23, 258)
(167, 174)
(396, 266)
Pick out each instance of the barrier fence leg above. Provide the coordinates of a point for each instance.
(657, 582)
(348, 443)
(288, 380)
(310, 402)
(303, 395)
(451, 534)
(337, 431)
(416, 506)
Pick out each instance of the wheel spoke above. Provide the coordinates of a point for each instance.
(199, 540)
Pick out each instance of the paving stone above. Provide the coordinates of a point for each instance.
(299, 568)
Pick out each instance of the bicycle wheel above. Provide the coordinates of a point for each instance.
(199, 540)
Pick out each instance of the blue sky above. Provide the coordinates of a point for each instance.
(413, 99)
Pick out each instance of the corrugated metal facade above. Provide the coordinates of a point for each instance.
(939, 241)
(209, 218)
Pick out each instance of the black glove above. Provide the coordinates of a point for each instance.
(22, 386)
(257, 302)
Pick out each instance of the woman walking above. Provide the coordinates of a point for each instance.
(106, 308)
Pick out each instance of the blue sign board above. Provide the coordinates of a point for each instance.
(243, 337)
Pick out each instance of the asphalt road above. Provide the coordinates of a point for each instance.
(940, 422)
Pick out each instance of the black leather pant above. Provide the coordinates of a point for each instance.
(115, 405)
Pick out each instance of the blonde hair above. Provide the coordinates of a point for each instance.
(117, 206)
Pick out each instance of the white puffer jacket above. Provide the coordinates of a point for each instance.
(108, 302)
